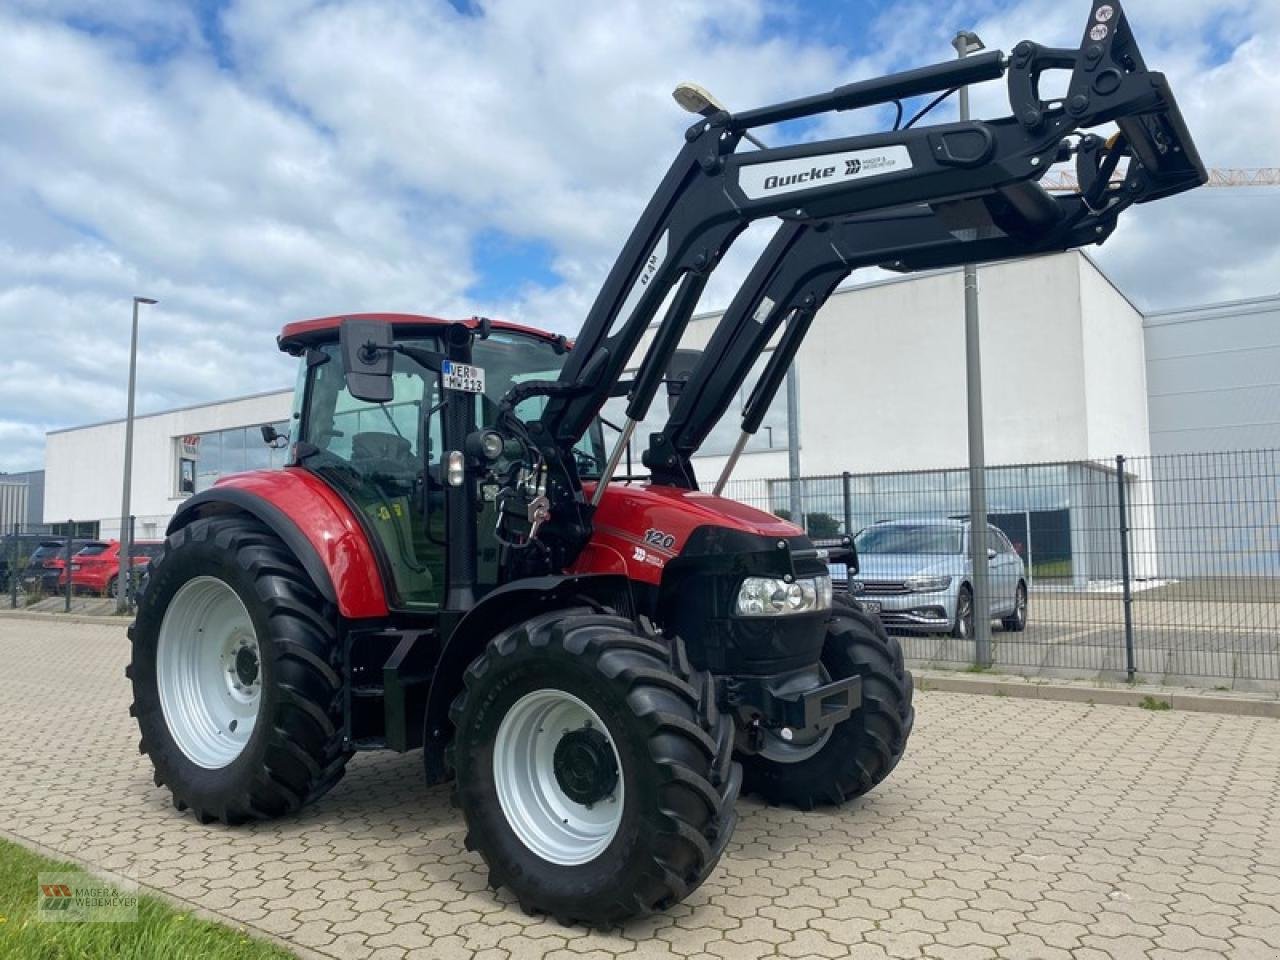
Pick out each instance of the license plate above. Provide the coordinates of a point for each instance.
(463, 377)
(75, 566)
(871, 606)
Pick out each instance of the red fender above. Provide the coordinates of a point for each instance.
(311, 518)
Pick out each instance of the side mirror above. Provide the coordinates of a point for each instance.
(679, 370)
(272, 437)
(367, 357)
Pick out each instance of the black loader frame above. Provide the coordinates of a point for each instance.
(908, 199)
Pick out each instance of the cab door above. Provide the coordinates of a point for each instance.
(382, 458)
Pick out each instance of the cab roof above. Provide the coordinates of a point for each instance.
(301, 333)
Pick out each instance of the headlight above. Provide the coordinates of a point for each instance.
(927, 584)
(772, 597)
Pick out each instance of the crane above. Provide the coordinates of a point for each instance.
(1064, 180)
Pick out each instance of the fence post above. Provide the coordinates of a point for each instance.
(13, 566)
(1130, 666)
(66, 566)
(129, 584)
(847, 496)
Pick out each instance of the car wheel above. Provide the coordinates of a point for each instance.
(113, 588)
(962, 627)
(1016, 622)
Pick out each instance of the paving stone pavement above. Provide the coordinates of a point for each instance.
(1013, 828)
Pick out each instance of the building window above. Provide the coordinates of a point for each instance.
(186, 476)
(202, 459)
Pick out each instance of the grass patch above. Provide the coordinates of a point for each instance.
(1051, 569)
(161, 931)
(1153, 703)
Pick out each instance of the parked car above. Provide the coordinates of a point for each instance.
(43, 571)
(95, 568)
(917, 575)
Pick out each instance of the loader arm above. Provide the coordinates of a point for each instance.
(711, 193)
(805, 262)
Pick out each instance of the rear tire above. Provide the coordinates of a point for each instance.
(861, 751)
(608, 839)
(235, 675)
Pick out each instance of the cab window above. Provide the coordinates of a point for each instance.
(377, 455)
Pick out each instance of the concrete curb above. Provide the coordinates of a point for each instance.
(64, 617)
(159, 893)
(1240, 705)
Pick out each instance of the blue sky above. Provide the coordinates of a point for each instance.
(249, 163)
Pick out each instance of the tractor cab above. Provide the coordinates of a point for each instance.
(393, 443)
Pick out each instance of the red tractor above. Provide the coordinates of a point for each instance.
(451, 561)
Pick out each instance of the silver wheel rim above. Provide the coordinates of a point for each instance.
(209, 672)
(964, 613)
(539, 812)
(799, 747)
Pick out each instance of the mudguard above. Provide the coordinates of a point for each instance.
(497, 610)
(314, 523)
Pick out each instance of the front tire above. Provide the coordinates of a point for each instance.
(235, 675)
(1016, 622)
(860, 752)
(962, 626)
(593, 769)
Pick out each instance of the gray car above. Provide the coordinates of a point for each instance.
(916, 574)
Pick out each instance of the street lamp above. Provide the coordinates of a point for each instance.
(126, 534)
(702, 101)
(966, 43)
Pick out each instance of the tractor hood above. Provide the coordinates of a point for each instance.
(646, 526)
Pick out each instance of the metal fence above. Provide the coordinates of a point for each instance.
(1155, 568)
(35, 560)
(1151, 568)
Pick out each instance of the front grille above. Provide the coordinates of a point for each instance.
(880, 588)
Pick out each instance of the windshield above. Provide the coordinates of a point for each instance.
(909, 538)
(92, 550)
(510, 358)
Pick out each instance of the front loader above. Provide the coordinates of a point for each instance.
(450, 561)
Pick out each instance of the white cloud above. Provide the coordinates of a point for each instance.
(326, 157)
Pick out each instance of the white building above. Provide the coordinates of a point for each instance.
(881, 375)
(175, 454)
